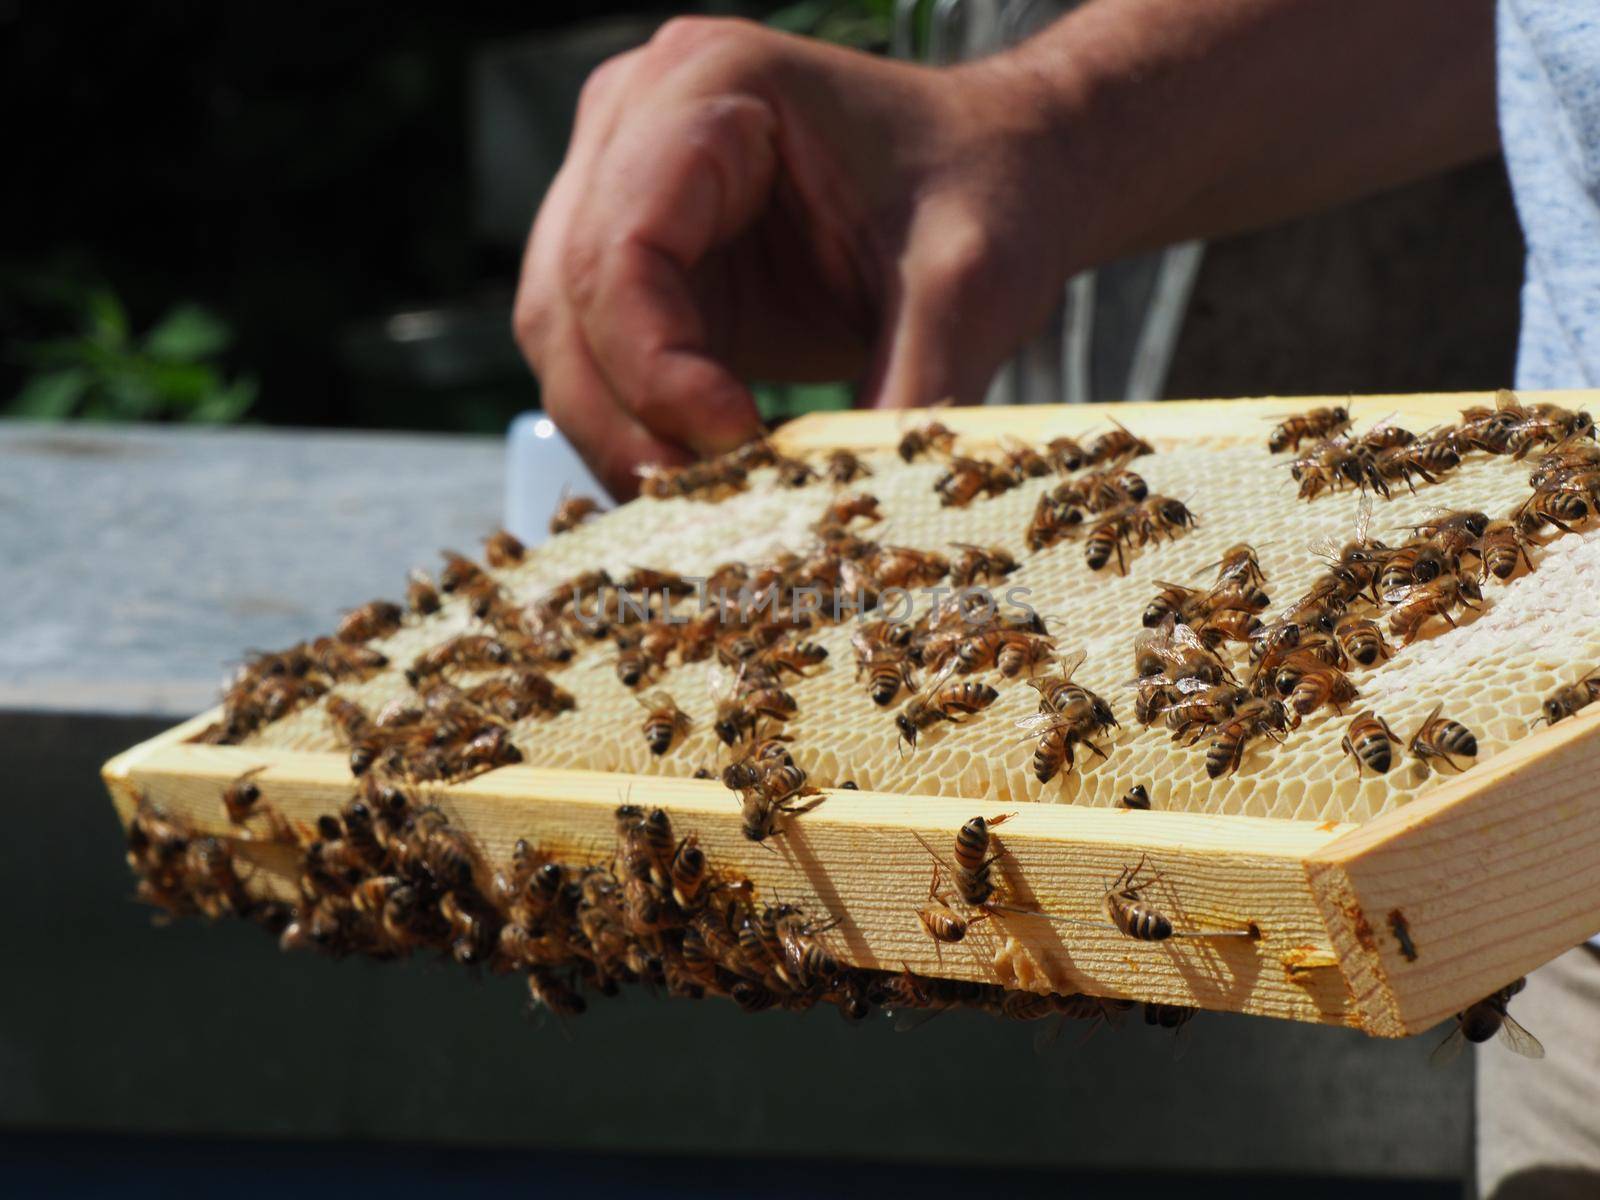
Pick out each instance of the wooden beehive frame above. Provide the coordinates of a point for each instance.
(1489, 875)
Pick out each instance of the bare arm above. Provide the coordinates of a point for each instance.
(1186, 118)
(738, 204)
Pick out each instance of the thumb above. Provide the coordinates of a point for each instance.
(938, 338)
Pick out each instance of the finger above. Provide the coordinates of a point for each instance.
(670, 189)
(938, 342)
(611, 441)
(539, 304)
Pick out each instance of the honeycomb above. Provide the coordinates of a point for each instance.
(1533, 634)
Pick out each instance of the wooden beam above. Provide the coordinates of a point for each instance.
(1161, 421)
(1489, 876)
(855, 856)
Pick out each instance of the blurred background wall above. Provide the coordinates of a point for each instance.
(312, 215)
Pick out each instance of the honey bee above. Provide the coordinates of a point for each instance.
(1568, 459)
(887, 673)
(239, 797)
(1108, 536)
(378, 619)
(571, 512)
(904, 567)
(1561, 505)
(1128, 911)
(1023, 461)
(1308, 426)
(842, 467)
(1228, 625)
(1052, 520)
(1442, 739)
(930, 438)
(1371, 742)
(664, 721)
(1318, 686)
(1173, 600)
(520, 694)
(422, 597)
(967, 479)
(1175, 652)
(1386, 435)
(458, 572)
(1362, 640)
(793, 472)
(975, 564)
(794, 656)
(1116, 446)
(1415, 562)
(1255, 718)
(634, 667)
(502, 548)
(1101, 491)
(1010, 651)
(1481, 1021)
(1136, 797)
(1414, 606)
(1570, 699)
(942, 701)
(777, 792)
(1065, 454)
(1059, 694)
(1199, 707)
(740, 706)
(943, 924)
(1502, 549)
(1238, 561)
(847, 508)
(1158, 517)
(469, 651)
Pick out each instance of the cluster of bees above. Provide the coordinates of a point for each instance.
(1110, 506)
(1298, 661)
(727, 474)
(272, 685)
(1387, 456)
(387, 878)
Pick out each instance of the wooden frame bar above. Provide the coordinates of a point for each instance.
(1485, 878)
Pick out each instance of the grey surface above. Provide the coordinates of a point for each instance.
(125, 1027)
(140, 564)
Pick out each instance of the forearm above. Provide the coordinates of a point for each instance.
(1183, 118)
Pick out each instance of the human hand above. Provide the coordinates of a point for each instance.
(741, 204)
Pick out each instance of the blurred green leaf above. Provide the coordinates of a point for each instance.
(863, 24)
(102, 373)
(107, 319)
(52, 396)
(187, 333)
(226, 405)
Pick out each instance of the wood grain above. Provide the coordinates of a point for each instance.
(1158, 421)
(856, 857)
(1493, 874)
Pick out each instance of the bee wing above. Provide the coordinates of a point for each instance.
(1183, 635)
(1039, 721)
(1363, 516)
(1190, 685)
(1505, 399)
(1071, 662)
(908, 1019)
(1399, 595)
(1518, 1039)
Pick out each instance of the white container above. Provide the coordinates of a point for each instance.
(541, 467)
